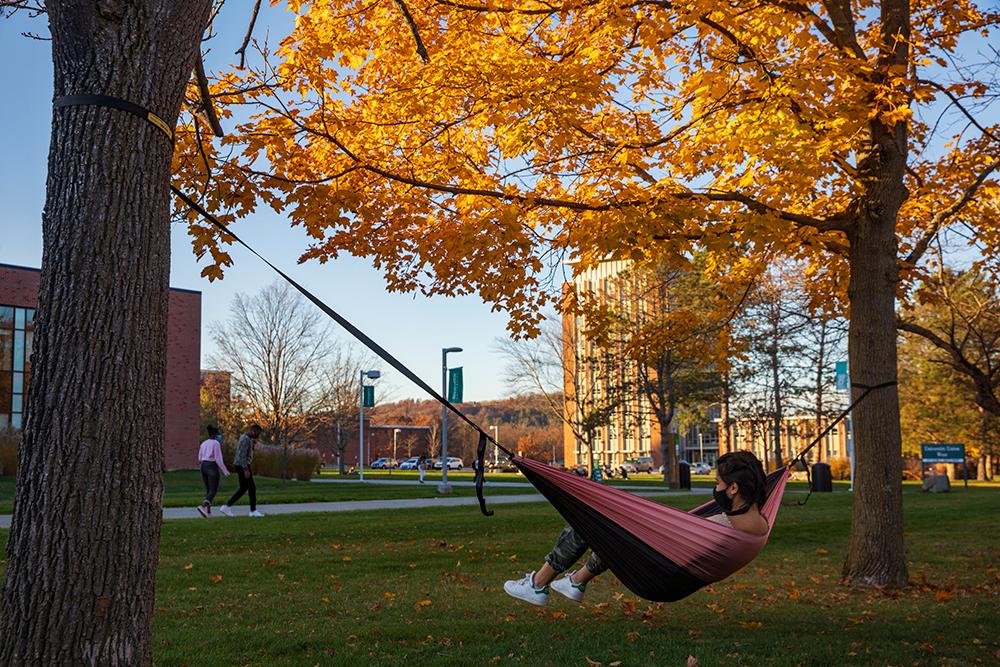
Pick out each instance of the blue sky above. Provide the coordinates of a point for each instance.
(412, 327)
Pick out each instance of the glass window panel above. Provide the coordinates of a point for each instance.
(30, 324)
(18, 350)
(5, 393)
(6, 350)
(15, 420)
(19, 318)
(17, 403)
(29, 341)
(18, 386)
(6, 317)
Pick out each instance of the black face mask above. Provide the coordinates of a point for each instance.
(722, 500)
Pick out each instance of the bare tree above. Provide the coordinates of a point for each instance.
(578, 379)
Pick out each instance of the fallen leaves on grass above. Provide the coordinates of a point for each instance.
(424, 603)
(750, 625)
(593, 663)
(632, 636)
(558, 614)
(388, 595)
(943, 596)
(216, 578)
(347, 559)
(692, 661)
(794, 594)
(821, 552)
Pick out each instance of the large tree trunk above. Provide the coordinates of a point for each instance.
(84, 543)
(876, 555)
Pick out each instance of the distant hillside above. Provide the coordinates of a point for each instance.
(526, 423)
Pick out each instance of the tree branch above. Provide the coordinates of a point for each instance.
(961, 107)
(413, 29)
(242, 51)
(206, 97)
(942, 217)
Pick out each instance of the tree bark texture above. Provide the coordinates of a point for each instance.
(83, 548)
(876, 554)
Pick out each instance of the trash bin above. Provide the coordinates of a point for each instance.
(822, 479)
(684, 474)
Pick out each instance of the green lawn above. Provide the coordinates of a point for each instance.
(423, 587)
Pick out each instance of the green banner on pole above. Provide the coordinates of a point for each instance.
(369, 397)
(455, 385)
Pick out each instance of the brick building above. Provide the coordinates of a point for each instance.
(18, 297)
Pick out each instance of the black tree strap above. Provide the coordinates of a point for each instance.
(360, 335)
(116, 103)
(857, 385)
(477, 465)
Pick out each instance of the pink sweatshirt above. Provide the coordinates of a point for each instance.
(211, 451)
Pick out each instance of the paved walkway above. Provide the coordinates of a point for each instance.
(494, 483)
(358, 505)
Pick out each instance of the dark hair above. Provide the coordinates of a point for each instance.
(255, 428)
(746, 470)
(212, 431)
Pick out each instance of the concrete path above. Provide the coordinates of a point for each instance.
(358, 505)
(489, 483)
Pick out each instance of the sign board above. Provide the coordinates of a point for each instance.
(843, 378)
(939, 453)
(369, 396)
(455, 385)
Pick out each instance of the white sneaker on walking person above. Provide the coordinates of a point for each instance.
(204, 509)
(226, 510)
(567, 587)
(256, 513)
(524, 589)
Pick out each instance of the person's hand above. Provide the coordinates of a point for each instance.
(246, 473)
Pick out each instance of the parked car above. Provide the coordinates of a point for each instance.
(383, 463)
(629, 467)
(410, 463)
(454, 463)
(644, 464)
(701, 469)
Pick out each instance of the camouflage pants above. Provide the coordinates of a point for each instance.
(568, 549)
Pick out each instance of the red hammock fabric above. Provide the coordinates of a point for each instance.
(660, 553)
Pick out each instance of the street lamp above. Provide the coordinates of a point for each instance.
(444, 486)
(496, 439)
(372, 375)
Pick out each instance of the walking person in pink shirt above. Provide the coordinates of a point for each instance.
(211, 463)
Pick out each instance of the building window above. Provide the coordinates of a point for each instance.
(17, 330)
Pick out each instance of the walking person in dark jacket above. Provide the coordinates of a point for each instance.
(242, 462)
(211, 464)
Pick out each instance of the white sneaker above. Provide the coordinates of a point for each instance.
(524, 589)
(225, 510)
(256, 513)
(567, 587)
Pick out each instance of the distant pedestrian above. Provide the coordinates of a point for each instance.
(211, 464)
(422, 467)
(242, 462)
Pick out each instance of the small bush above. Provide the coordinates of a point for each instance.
(840, 468)
(269, 461)
(8, 452)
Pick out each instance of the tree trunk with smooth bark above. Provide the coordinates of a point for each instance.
(83, 548)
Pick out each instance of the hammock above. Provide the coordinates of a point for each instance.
(660, 553)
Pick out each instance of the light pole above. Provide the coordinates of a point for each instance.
(444, 486)
(373, 375)
(496, 452)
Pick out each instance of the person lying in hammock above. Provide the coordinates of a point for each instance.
(740, 490)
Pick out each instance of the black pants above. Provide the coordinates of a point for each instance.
(210, 475)
(246, 485)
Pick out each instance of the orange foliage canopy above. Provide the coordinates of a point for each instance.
(589, 129)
